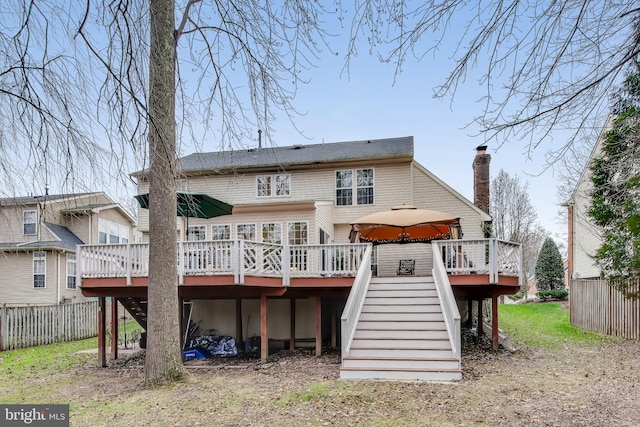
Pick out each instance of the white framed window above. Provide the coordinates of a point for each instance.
(265, 186)
(112, 232)
(221, 232)
(196, 232)
(39, 269)
(272, 232)
(297, 234)
(344, 188)
(29, 219)
(246, 232)
(71, 271)
(363, 186)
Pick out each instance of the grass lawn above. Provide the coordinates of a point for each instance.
(544, 325)
(561, 376)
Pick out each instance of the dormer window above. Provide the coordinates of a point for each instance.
(29, 222)
(273, 185)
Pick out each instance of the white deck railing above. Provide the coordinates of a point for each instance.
(484, 256)
(447, 301)
(353, 306)
(225, 257)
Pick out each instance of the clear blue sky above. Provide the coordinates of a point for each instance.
(367, 104)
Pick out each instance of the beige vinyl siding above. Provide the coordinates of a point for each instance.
(428, 193)
(83, 226)
(220, 316)
(16, 280)
(324, 218)
(586, 239)
(11, 224)
(389, 257)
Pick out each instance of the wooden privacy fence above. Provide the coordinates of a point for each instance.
(598, 307)
(22, 327)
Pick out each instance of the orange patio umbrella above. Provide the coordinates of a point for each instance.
(405, 224)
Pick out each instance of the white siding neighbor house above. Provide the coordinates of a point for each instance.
(38, 239)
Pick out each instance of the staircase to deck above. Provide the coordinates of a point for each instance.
(401, 334)
(136, 308)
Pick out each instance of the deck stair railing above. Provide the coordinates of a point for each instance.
(353, 306)
(447, 301)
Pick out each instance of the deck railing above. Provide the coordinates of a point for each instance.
(483, 256)
(225, 257)
(353, 306)
(447, 301)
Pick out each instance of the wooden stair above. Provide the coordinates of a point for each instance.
(137, 308)
(401, 334)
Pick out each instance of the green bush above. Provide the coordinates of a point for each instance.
(555, 294)
(518, 296)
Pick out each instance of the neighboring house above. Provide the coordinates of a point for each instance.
(584, 236)
(285, 254)
(39, 235)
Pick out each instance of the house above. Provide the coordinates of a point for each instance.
(284, 254)
(584, 236)
(39, 235)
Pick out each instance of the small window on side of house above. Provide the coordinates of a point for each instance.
(39, 269)
(71, 271)
(29, 219)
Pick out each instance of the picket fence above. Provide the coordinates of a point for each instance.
(598, 307)
(23, 327)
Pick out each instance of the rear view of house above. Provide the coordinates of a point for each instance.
(282, 268)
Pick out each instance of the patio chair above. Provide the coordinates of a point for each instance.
(407, 267)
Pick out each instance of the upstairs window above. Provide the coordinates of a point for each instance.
(71, 271)
(39, 269)
(273, 185)
(220, 232)
(363, 186)
(29, 222)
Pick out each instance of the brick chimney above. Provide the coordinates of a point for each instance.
(481, 178)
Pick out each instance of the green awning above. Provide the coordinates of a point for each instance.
(193, 205)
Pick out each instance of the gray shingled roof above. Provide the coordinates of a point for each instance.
(68, 240)
(30, 200)
(297, 156)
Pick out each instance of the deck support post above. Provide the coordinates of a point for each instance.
(494, 322)
(480, 331)
(114, 328)
(292, 324)
(469, 313)
(264, 343)
(239, 337)
(318, 326)
(334, 326)
(102, 338)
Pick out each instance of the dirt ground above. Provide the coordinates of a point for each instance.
(572, 386)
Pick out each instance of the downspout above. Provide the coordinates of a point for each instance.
(59, 291)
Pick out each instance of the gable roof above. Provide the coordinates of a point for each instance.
(296, 156)
(66, 240)
(30, 200)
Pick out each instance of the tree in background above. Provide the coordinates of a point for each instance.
(523, 51)
(515, 219)
(549, 267)
(85, 86)
(615, 199)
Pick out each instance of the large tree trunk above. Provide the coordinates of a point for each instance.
(164, 354)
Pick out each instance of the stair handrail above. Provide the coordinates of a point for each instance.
(447, 301)
(353, 307)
